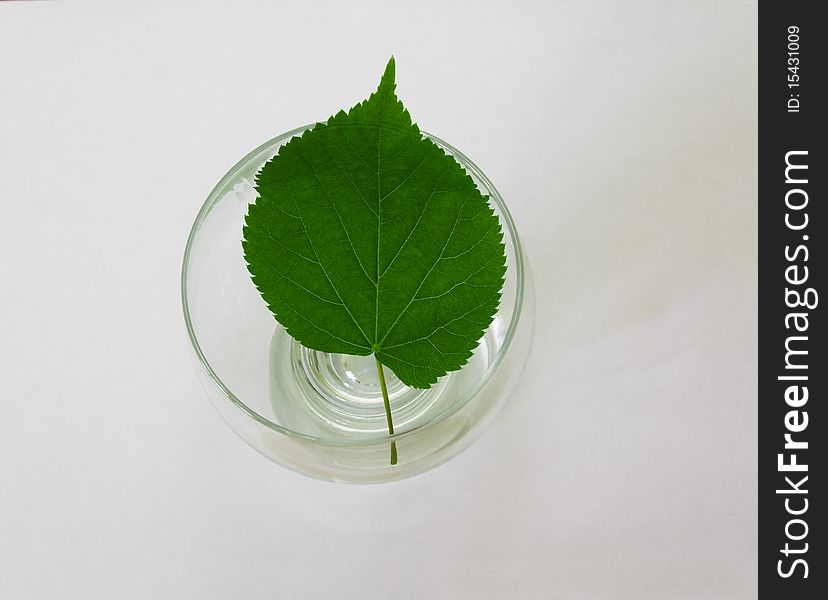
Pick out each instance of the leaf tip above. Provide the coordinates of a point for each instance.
(388, 80)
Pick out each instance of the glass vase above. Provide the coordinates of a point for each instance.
(322, 414)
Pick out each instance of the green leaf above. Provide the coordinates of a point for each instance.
(367, 238)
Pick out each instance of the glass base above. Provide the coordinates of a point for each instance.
(339, 395)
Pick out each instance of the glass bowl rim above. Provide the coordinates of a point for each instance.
(213, 198)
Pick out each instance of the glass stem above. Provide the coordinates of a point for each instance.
(387, 404)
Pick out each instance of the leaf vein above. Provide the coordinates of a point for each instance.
(324, 271)
(425, 277)
(338, 216)
(463, 317)
(345, 173)
(410, 233)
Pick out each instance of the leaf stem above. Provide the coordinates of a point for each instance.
(387, 404)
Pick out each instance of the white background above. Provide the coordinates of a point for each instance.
(623, 137)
